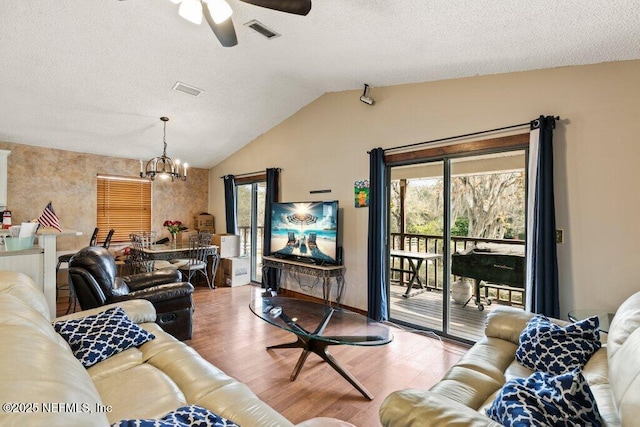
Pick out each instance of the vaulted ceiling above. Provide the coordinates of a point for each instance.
(95, 76)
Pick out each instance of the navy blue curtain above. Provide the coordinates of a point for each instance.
(377, 307)
(230, 203)
(542, 263)
(271, 196)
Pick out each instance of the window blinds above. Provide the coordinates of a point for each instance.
(124, 204)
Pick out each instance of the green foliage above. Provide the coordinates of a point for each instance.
(460, 227)
(432, 228)
(489, 205)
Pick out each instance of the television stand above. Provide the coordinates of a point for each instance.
(325, 272)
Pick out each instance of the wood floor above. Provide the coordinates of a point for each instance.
(425, 310)
(229, 336)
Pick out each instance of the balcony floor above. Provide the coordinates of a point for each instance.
(425, 311)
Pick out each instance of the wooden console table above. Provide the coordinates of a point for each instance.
(325, 272)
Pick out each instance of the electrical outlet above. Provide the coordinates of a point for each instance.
(559, 236)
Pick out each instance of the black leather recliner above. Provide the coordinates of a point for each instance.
(92, 275)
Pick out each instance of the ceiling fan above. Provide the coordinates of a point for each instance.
(218, 14)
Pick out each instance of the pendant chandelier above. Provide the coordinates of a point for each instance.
(163, 166)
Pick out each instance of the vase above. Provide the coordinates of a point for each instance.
(174, 240)
(461, 291)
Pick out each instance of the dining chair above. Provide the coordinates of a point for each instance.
(199, 251)
(139, 261)
(215, 264)
(212, 258)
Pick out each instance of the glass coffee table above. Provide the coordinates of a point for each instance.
(604, 317)
(317, 327)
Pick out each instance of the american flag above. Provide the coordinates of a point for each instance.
(48, 218)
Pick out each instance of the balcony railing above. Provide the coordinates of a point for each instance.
(431, 274)
(245, 240)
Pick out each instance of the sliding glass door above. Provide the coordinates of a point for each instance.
(441, 210)
(251, 200)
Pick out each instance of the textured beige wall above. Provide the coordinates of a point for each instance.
(324, 146)
(68, 179)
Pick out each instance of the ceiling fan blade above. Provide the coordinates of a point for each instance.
(299, 7)
(224, 31)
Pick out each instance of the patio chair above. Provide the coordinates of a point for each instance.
(291, 240)
(311, 242)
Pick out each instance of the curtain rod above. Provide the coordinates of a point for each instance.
(249, 173)
(462, 136)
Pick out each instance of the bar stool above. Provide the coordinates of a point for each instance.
(67, 257)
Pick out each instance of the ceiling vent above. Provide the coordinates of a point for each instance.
(260, 28)
(181, 87)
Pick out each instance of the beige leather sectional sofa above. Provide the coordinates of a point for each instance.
(468, 389)
(43, 383)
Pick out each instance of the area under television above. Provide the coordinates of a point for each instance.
(305, 231)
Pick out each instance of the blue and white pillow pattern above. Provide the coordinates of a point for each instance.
(547, 347)
(185, 416)
(98, 337)
(546, 400)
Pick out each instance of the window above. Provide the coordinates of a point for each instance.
(124, 204)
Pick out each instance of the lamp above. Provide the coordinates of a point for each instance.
(365, 96)
(163, 166)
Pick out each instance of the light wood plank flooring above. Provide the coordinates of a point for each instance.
(229, 336)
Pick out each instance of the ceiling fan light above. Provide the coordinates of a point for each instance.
(191, 10)
(220, 10)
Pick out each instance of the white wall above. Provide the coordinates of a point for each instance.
(325, 144)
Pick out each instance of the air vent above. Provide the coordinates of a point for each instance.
(181, 87)
(260, 28)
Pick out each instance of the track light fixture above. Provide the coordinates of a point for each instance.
(365, 96)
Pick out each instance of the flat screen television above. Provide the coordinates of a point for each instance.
(305, 231)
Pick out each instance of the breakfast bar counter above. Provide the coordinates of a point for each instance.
(36, 249)
(38, 262)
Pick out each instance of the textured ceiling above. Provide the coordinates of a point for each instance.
(96, 75)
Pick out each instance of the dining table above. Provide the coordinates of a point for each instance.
(168, 251)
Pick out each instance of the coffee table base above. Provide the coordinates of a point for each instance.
(319, 347)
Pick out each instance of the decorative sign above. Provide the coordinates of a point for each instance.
(361, 192)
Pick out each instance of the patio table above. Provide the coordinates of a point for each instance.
(415, 260)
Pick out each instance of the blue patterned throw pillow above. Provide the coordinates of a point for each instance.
(191, 416)
(546, 400)
(100, 336)
(547, 347)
